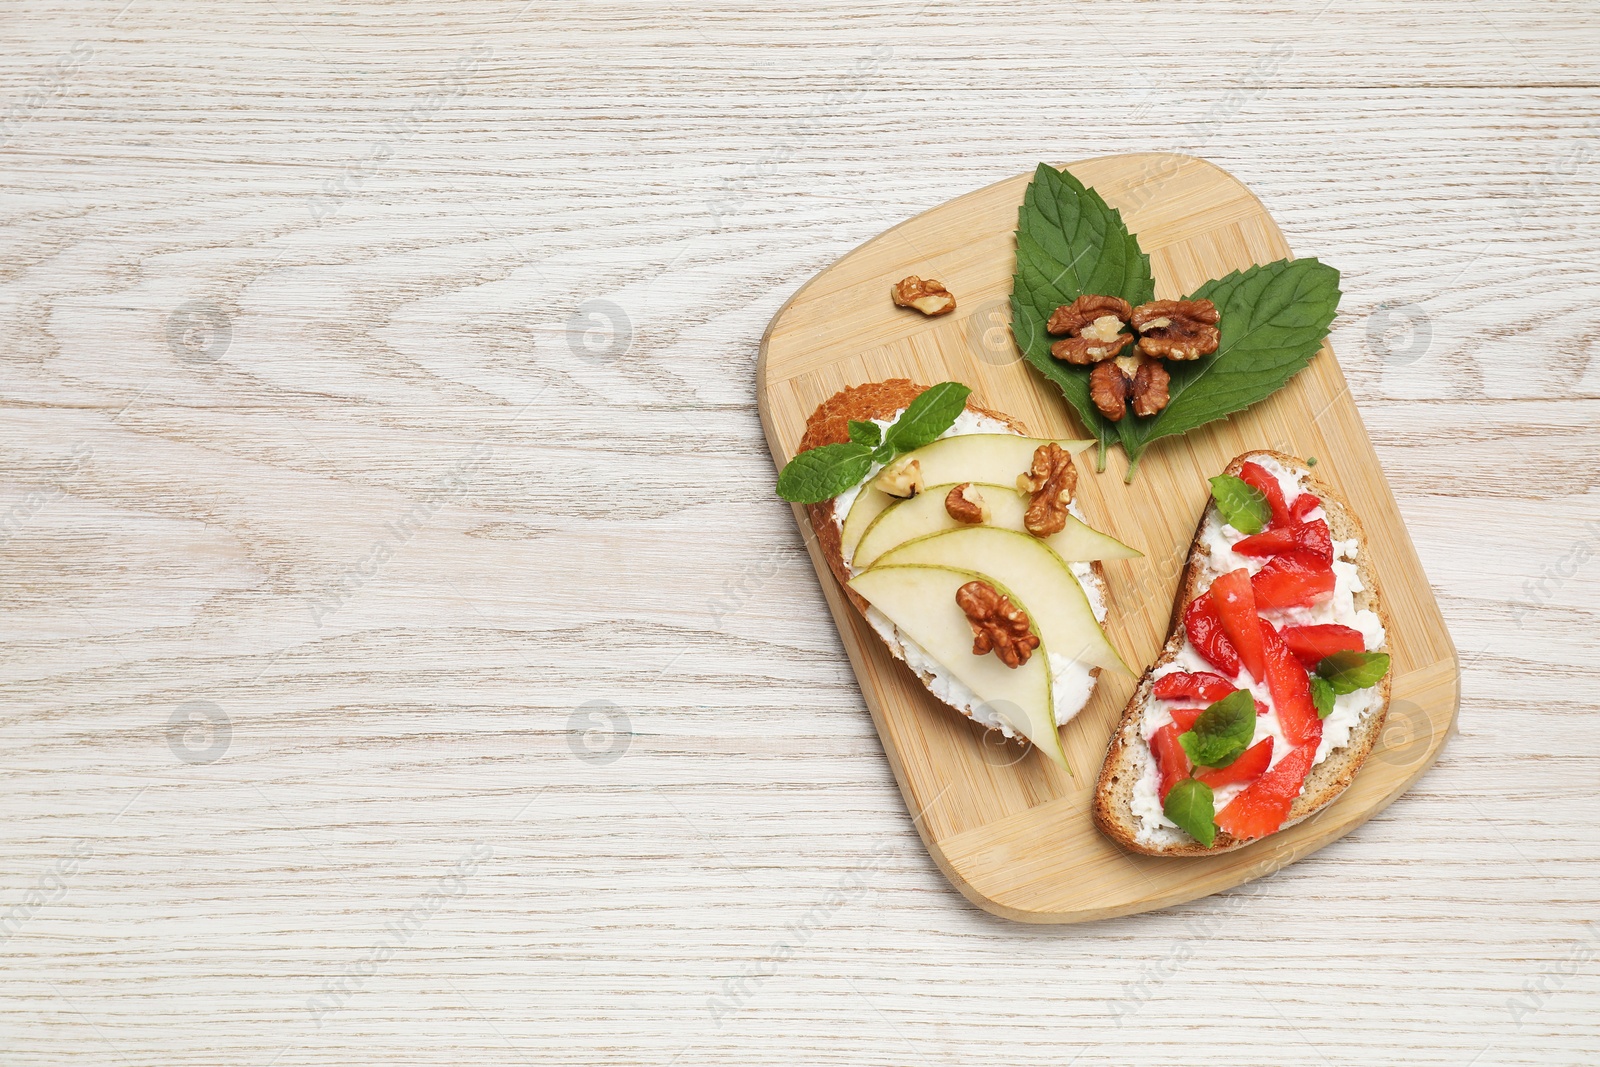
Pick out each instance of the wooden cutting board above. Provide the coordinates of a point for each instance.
(1010, 829)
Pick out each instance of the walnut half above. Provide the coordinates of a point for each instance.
(1112, 388)
(1051, 480)
(964, 503)
(1177, 329)
(1093, 325)
(926, 295)
(997, 624)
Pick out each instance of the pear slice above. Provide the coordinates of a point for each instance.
(1059, 611)
(921, 602)
(995, 458)
(867, 506)
(924, 514)
(967, 457)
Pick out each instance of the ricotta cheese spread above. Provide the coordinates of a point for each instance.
(1071, 681)
(1349, 710)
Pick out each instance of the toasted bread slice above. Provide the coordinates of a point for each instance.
(829, 424)
(1128, 755)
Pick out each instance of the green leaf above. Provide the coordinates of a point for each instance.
(820, 474)
(1193, 806)
(1070, 242)
(1274, 319)
(932, 413)
(1223, 731)
(1243, 506)
(1322, 696)
(1348, 671)
(866, 433)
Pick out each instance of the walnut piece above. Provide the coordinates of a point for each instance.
(997, 624)
(1109, 388)
(965, 504)
(1093, 325)
(1177, 329)
(1051, 480)
(929, 297)
(901, 478)
(1149, 390)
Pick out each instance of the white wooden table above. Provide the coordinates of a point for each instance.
(407, 662)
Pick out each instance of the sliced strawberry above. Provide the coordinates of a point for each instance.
(1268, 542)
(1256, 475)
(1201, 685)
(1303, 505)
(1235, 599)
(1311, 643)
(1185, 717)
(1264, 804)
(1310, 539)
(1171, 760)
(1291, 689)
(1203, 627)
(1247, 767)
(1290, 580)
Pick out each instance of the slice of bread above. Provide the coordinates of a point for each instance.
(829, 424)
(1128, 753)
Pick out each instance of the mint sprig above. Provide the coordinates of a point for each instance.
(1222, 732)
(1193, 806)
(1346, 672)
(822, 473)
(1243, 506)
(1071, 242)
(1274, 317)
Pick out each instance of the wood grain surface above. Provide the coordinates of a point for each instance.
(1009, 828)
(378, 405)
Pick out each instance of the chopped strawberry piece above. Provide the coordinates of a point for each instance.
(1247, 767)
(1291, 689)
(1185, 717)
(1303, 505)
(1310, 539)
(1201, 685)
(1290, 580)
(1235, 599)
(1311, 643)
(1203, 627)
(1264, 804)
(1255, 475)
(1267, 542)
(1171, 760)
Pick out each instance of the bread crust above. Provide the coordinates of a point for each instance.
(1112, 807)
(829, 424)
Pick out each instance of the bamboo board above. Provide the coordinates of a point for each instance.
(1010, 829)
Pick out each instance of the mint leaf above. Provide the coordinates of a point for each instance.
(1274, 319)
(820, 474)
(1223, 731)
(1070, 242)
(1192, 805)
(1243, 506)
(1322, 695)
(932, 413)
(866, 433)
(1348, 671)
